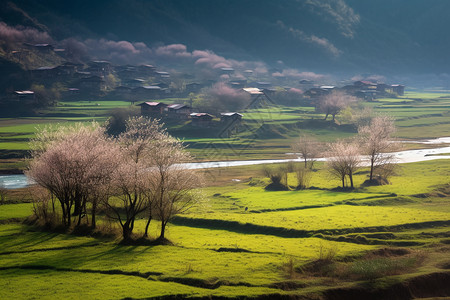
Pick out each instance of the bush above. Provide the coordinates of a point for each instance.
(370, 269)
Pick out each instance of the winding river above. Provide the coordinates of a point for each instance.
(407, 156)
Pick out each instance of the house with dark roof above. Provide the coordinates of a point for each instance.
(92, 83)
(193, 87)
(153, 109)
(201, 119)
(135, 82)
(148, 91)
(398, 89)
(230, 117)
(24, 96)
(178, 111)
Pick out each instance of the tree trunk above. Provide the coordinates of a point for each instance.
(351, 179)
(343, 181)
(93, 212)
(371, 169)
(147, 225)
(63, 207)
(126, 231)
(163, 230)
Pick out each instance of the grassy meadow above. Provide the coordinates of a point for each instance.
(286, 243)
(241, 240)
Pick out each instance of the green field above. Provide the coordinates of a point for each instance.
(222, 250)
(241, 240)
(266, 132)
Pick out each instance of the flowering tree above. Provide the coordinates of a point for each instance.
(73, 164)
(334, 103)
(131, 181)
(376, 142)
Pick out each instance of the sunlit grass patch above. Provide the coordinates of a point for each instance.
(20, 210)
(334, 217)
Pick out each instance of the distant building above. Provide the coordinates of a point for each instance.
(40, 47)
(317, 92)
(153, 109)
(162, 74)
(24, 96)
(193, 87)
(148, 91)
(230, 117)
(99, 67)
(147, 70)
(201, 119)
(92, 83)
(135, 82)
(44, 73)
(398, 89)
(178, 111)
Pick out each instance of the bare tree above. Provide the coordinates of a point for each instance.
(172, 183)
(334, 103)
(303, 175)
(308, 148)
(344, 160)
(376, 141)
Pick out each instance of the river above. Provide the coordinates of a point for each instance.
(407, 156)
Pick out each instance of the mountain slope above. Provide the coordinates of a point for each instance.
(329, 35)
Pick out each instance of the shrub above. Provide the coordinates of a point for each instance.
(370, 269)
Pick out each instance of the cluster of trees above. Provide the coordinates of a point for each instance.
(373, 147)
(137, 174)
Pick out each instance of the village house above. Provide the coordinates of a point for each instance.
(193, 87)
(231, 117)
(99, 67)
(398, 89)
(39, 47)
(126, 72)
(68, 68)
(161, 74)
(178, 111)
(148, 91)
(248, 73)
(147, 70)
(24, 97)
(92, 83)
(153, 109)
(257, 95)
(135, 82)
(43, 73)
(201, 119)
(317, 92)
